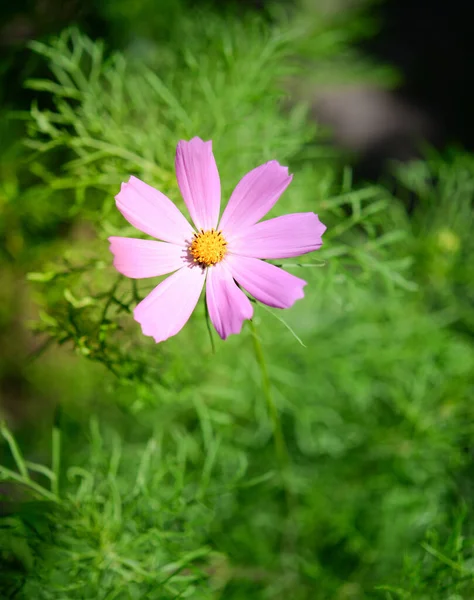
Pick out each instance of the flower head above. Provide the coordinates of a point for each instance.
(226, 255)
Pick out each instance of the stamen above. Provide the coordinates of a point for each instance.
(208, 247)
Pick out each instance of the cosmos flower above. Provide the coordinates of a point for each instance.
(226, 255)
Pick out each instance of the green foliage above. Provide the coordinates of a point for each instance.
(135, 540)
(164, 482)
(444, 221)
(113, 119)
(443, 568)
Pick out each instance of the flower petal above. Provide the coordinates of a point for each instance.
(227, 304)
(282, 237)
(146, 258)
(267, 283)
(198, 180)
(255, 194)
(152, 212)
(165, 311)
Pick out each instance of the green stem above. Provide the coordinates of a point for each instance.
(56, 460)
(278, 437)
(56, 450)
(289, 537)
(209, 327)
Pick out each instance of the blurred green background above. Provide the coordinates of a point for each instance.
(130, 470)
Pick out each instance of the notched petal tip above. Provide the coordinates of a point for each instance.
(299, 293)
(281, 237)
(255, 194)
(246, 313)
(293, 297)
(195, 141)
(267, 283)
(294, 291)
(228, 306)
(151, 212)
(320, 226)
(133, 182)
(123, 187)
(284, 169)
(145, 329)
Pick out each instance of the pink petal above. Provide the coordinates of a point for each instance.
(165, 311)
(198, 180)
(227, 304)
(282, 237)
(152, 212)
(255, 194)
(267, 283)
(146, 258)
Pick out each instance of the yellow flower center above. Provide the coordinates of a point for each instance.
(208, 247)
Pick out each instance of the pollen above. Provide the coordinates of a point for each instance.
(208, 247)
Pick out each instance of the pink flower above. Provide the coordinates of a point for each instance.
(221, 253)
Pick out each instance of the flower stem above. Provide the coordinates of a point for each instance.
(209, 327)
(290, 529)
(278, 437)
